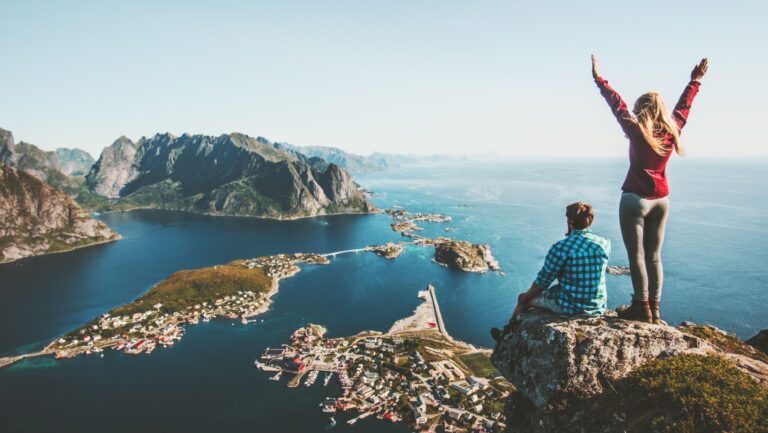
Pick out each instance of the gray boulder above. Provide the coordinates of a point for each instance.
(554, 360)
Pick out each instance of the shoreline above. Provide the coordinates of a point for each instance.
(376, 211)
(47, 350)
(106, 241)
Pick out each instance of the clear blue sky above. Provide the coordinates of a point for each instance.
(509, 78)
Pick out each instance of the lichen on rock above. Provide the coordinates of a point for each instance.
(563, 367)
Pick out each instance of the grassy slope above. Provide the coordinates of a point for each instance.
(187, 288)
(682, 394)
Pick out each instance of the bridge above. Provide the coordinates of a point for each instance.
(336, 253)
(4, 362)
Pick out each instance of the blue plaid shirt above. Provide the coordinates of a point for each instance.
(578, 263)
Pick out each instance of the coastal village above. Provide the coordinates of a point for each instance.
(414, 373)
(237, 290)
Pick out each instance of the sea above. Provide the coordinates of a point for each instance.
(714, 257)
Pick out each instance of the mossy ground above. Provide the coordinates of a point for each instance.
(725, 342)
(682, 394)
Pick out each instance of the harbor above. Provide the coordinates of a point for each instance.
(414, 373)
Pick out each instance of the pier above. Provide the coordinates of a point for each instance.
(438, 315)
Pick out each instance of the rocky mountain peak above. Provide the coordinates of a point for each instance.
(74, 162)
(232, 174)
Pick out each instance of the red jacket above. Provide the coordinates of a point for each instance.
(647, 176)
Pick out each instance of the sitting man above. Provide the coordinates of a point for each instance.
(578, 263)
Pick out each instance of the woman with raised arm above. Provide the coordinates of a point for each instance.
(653, 135)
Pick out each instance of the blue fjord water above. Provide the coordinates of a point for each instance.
(714, 263)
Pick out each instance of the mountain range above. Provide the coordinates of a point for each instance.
(230, 174)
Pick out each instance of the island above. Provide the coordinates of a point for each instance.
(405, 222)
(405, 228)
(618, 270)
(461, 255)
(237, 290)
(451, 253)
(398, 214)
(390, 250)
(415, 372)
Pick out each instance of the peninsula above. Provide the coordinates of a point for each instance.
(237, 290)
(415, 372)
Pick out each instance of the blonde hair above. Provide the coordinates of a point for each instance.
(654, 121)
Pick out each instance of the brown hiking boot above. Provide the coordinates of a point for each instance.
(655, 316)
(639, 311)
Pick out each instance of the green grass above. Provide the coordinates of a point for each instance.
(479, 364)
(726, 342)
(682, 394)
(187, 288)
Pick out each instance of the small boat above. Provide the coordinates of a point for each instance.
(331, 424)
(327, 378)
(265, 367)
(277, 376)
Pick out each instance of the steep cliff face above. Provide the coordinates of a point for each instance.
(114, 168)
(36, 218)
(7, 145)
(604, 374)
(230, 175)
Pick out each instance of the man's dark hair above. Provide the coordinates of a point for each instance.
(580, 215)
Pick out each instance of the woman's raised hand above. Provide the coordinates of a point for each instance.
(699, 70)
(594, 67)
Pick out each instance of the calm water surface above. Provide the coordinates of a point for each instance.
(714, 261)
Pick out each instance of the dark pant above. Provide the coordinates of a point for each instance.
(643, 223)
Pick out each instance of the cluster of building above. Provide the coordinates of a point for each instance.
(142, 332)
(147, 327)
(390, 250)
(404, 215)
(394, 377)
(283, 265)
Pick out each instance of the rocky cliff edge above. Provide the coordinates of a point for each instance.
(604, 374)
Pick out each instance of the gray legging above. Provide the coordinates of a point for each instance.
(642, 227)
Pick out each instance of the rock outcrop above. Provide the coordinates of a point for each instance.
(389, 250)
(226, 175)
(760, 341)
(463, 255)
(566, 370)
(36, 218)
(7, 148)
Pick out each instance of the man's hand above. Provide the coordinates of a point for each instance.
(699, 70)
(594, 67)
